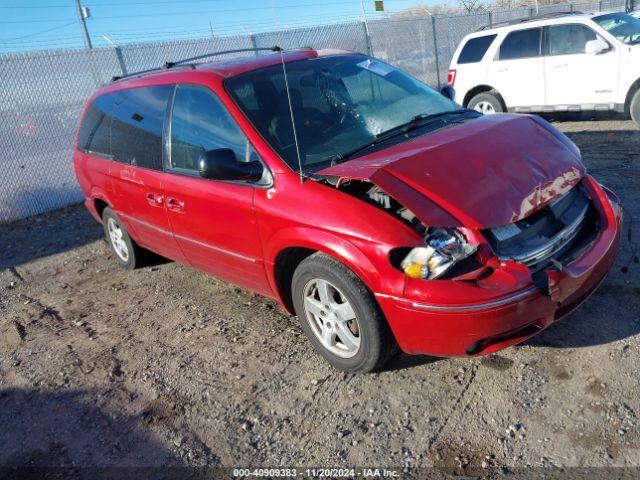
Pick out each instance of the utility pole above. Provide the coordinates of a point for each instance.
(366, 28)
(364, 16)
(83, 13)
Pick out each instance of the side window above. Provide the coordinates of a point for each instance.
(569, 39)
(136, 130)
(199, 123)
(94, 132)
(475, 48)
(521, 44)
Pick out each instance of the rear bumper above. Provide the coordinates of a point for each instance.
(483, 327)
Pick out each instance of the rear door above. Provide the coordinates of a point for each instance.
(136, 144)
(213, 221)
(469, 70)
(517, 72)
(574, 77)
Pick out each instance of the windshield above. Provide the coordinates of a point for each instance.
(339, 103)
(622, 26)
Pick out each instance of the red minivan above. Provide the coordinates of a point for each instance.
(373, 207)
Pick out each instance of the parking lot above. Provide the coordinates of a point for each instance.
(167, 366)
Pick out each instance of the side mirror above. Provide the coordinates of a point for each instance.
(596, 46)
(222, 164)
(448, 92)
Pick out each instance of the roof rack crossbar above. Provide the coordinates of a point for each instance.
(544, 16)
(169, 65)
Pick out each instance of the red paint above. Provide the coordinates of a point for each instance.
(489, 172)
(483, 173)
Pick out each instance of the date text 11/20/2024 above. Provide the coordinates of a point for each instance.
(316, 472)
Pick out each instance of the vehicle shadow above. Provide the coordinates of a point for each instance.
(51, 233)
(43, 235)
(64, 429)
(611, 314)
(402, 361)
(585, 116)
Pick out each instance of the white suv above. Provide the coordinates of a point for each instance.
(561, 62)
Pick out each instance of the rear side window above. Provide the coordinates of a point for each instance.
(521, 44)
(569, 39)
(94, 133)
(138, 122)
(199, 123)
(475, 48)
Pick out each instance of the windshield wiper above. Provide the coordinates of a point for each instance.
(417, 121)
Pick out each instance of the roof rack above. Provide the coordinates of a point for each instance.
(533, 18)
(169, 65)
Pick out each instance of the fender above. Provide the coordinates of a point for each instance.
(98, 193)
(335, 246)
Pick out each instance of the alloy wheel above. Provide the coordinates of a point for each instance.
(332, 318)
(484, 107)
(116, 236)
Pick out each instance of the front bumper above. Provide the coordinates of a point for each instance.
(499, 314)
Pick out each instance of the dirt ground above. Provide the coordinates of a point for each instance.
(167, 366)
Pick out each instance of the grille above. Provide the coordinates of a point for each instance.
(549, 233)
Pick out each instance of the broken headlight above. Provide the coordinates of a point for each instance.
(444, 248)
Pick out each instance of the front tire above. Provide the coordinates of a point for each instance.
(635, 108)
(486, 103)
(128, 254)
(340, 316)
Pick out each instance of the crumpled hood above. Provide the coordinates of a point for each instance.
(483, 173)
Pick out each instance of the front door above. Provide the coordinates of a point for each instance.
(517, 72)
(574, 77)
(214, 222)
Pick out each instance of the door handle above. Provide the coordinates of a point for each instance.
(175, 205)
(154, 199)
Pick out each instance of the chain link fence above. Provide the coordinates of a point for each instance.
(43, 93)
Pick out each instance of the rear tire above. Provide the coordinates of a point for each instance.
(127, 252)
(635, 108)
(486, 103)
(340, 316)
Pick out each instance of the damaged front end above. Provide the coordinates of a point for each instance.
(533, 246)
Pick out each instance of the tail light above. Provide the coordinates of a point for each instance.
(451, 77)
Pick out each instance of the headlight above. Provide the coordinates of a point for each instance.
(444, 248)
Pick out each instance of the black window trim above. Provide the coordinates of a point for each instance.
(156, 168)
(547, 46)
(185, 172)
(110, 156)
(494, 35)
(106, 156)
(540, 46)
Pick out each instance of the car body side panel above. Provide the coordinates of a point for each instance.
(319, 217)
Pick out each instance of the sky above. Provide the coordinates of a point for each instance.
(27, 25)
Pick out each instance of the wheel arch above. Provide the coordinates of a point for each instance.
(293, 246)
(100, 204)
(635, 86)
(483, 89)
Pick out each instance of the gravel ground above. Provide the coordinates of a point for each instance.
(167, 366)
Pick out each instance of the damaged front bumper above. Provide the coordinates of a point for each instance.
(461, 318)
